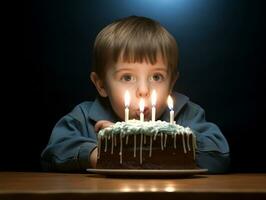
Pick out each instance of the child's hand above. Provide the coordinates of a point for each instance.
(98, 126)
(102, 124)
(93, 158)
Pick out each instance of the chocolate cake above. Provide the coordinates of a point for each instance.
(146, 145)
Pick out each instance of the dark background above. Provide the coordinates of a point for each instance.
(222, 60)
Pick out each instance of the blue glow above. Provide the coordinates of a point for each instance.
(162, 7)
(169, 12)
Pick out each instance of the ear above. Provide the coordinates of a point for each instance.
(174, 79)
(98, 84)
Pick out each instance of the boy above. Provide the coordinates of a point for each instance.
(135, 54)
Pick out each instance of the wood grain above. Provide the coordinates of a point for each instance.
(29, 185)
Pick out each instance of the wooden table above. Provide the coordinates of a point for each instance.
(30, 185)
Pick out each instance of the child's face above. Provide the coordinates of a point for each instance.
(140, 79)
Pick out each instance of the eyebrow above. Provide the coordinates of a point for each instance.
(160, 69)
(130, 69)
(121, 70)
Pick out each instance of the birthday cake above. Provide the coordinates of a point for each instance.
(146, 145)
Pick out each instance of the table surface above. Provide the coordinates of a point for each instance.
(33, 185)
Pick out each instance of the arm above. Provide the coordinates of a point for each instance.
(71, 143)
(212, 148)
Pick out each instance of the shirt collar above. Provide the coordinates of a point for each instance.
(103, 111)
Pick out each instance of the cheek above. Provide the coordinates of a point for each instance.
(116, 93)
(163, 92)
(162, 95)
(116, 98)
(161, 104)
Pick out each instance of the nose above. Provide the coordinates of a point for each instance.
(143, 89)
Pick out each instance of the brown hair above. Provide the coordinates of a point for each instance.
(134, 39)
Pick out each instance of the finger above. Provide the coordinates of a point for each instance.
(102, 124)
(98, 125)
(106, 124)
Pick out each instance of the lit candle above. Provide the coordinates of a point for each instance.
(153, 104)
(170, 105)
(127, 101)
(141, 109)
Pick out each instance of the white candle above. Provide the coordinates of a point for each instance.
(153, 104)
(126, 114)
(141, 109)
(153, 111)
(171, 117)
(127, 101)
(170, 105)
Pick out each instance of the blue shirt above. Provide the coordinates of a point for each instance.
(73, 137)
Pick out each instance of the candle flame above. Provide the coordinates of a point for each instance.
(127, 99)
(153, 98)
(141, 105)
(170, 102)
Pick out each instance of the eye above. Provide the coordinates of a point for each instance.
(127, 78)
(157, 77)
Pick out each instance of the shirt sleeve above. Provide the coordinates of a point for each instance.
(71, 142)
(212, 148)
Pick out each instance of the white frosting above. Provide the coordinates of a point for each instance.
(127, 139)
(175, 141)
(183, 142)
(141, 144)
(147, 128)
(162, 141)
(135, 138)
(112, 148)
(105, 149)
(165, 139)
(121, 148)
